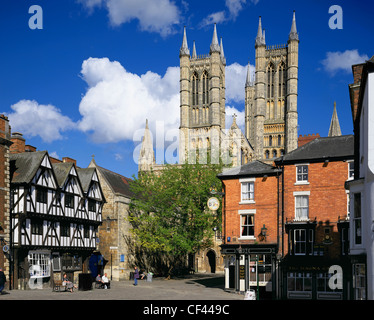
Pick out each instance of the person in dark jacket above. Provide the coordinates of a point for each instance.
(136, 276)
(2, 280)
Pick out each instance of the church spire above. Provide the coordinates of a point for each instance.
(184, 49)
(260, 39)
(293, 33)
(194, 55)
(146, 155)
(334, 125)
(214, 47)
(249, 82)
(223, 59)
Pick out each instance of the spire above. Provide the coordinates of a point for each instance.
(260, 39)
(249, 82)
(194, 55)
(223, 59)
(214, 47)
(184, 51)
(146, 156)
(334, 125)
(293, 33)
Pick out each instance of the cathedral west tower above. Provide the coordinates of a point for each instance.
(202, 99)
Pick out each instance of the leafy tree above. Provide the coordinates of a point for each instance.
(169, 215)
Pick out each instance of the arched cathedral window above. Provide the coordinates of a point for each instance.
(282, 73)
(195, 89)
(270, 81)
(205, 88)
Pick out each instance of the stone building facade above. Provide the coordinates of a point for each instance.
(114, 233)
(5, 143)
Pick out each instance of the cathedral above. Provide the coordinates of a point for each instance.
(271, 116)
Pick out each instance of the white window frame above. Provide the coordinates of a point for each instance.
(302, 181)
(301, 194)
(40, 264)
(242, 213)
(248, 181)
(307, 243)
(351, 171)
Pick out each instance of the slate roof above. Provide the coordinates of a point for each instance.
(23, 166)
(321, 149)
(61, 171)
(118, 183)
(251, 169)
(85, 176)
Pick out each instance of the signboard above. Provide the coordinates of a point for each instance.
(213, 203)
(241, 272)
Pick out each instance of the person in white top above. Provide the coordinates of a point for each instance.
(105, 281)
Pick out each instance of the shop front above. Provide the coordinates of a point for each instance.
(251, 267)
(315, 278)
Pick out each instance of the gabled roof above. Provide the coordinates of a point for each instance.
(23, 166)
(118, 183)
(62, 171)
(251, 169)
(321, 149)
(85, 176)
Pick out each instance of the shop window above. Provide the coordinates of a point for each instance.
(39, 263)
(299, 282)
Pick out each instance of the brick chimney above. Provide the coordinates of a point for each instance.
(67, 159)
(5, 130)
(354, 88)
(29, 148)
(18, 145)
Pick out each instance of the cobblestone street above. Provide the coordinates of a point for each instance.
(196, 287)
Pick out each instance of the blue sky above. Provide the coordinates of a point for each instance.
(87, 81)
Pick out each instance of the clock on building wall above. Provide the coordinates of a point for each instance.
(213, 203)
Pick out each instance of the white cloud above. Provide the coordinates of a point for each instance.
(54, 155)
(233, 7)
(34, 119)
(117, 102)
(336, 61)
(153, 15)
(216, 17)
(240, 117)
(236, 75)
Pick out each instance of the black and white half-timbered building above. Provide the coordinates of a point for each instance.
(56, 209)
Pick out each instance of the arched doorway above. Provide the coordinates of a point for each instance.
(211, 255)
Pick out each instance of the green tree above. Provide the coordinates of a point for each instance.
(169, 216)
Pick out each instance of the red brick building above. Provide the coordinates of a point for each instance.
(315, 212)
(250, 232)
(285, 225)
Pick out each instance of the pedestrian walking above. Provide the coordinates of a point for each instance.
(2, 280)
(136, 276)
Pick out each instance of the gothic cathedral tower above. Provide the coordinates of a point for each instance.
(271, 100)
(202, 100)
